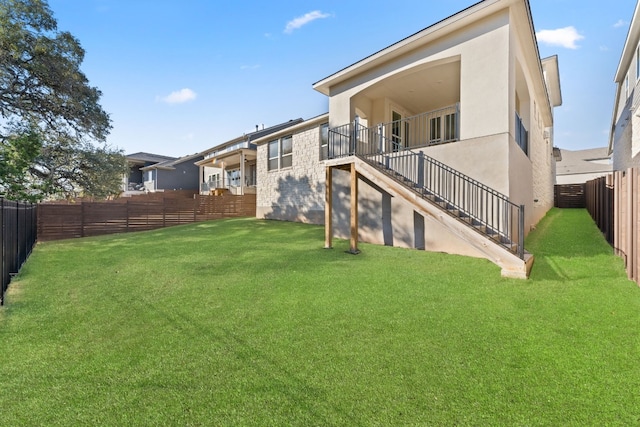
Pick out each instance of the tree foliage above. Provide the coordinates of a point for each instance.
(53, 129)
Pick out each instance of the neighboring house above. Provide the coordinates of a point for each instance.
(442, 141)
(231, 166)
(624, 139)
(579, 166)
(134, 182)
(291, 173)
(176, 174)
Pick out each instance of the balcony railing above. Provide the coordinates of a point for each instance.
(232, 184)
(488, 211)
(431, 128)
(388, 147)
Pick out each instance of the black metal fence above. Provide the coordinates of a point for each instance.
(18, 233)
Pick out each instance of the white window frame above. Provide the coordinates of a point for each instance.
(324, 142)
(276, 161)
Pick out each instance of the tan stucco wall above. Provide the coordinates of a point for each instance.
(484, 91)
(295, 193)
(484, 159)
(390, 221)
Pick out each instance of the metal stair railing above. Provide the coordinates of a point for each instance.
(488, 211)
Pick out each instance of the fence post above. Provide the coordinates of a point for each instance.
(3, 266)
(81, 219)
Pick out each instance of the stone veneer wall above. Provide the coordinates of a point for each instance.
(541, 155)
(296, 193)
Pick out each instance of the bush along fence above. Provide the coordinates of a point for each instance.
(82, 219)
(18, 225)
(614, 204)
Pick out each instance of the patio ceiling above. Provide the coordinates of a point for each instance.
(419, 90)
(229, 159)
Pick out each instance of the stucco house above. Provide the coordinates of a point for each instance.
(624, 138)
(176, 174)
(231, 166)
(442, 141)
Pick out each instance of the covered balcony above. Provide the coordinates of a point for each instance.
(427, 129)
(410, 107)
(230, 170)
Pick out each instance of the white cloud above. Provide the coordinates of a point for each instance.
(300, 21)
(178, 97)
(621, 23)
(564, 37)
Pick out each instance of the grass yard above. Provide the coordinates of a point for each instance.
(247, 322)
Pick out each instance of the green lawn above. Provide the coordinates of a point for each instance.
(247, 322)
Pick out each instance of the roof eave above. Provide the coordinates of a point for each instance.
(420, 38)
(629, 46)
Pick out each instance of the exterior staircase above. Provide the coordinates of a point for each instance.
(477, 214)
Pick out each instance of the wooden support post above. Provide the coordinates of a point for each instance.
(353, 243)
(328, 208)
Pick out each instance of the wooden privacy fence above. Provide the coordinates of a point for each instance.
(64, 221)
(569, 196)
(18, 224)
(599, 201)
(614, 204)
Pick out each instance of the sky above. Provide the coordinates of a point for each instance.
(179, 77)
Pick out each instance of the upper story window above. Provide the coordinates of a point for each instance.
(324, 141)
(286, 152)
(273, 155)
(280, 153)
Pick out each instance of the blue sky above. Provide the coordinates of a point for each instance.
(179, 77)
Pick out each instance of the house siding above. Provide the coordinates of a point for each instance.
(627, 131)
(295, 193)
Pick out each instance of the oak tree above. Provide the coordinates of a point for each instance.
(52, 128)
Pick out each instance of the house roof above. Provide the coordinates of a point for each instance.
(170, 164)
(314, 121)
(251, 136)
(148, 157)
(630, 45)
(592, 160)
(552, 78)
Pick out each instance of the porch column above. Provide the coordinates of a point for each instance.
(241, 172)
(328, 208)
(353, 242)
(202, 179)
